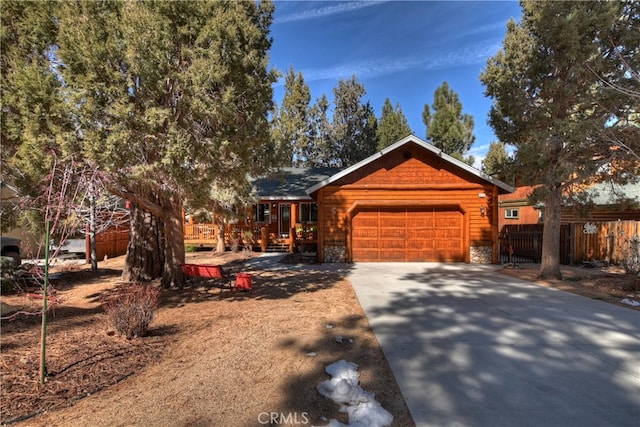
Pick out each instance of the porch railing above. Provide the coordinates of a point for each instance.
(208, 233)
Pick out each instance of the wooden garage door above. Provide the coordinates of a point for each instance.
(430, 234)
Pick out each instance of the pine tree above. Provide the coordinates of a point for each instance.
(292, 124)
(392, 126)
(35, 120)
(447, 127)
(354, 123)
(552, 100)
(496, 162)
(321, 150)
(170, 98)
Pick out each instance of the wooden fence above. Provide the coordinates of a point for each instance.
(111, 243)
(603, 240)
(579, 242)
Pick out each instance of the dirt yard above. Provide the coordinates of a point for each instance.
(608, 284)
(212, 358)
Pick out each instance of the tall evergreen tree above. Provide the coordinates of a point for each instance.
(392, 126)
(552, 101)
(170, 98)
(321, 150)
(34, 119)
(292, 124)
(496, 161)
(447, 127)
(354, 123)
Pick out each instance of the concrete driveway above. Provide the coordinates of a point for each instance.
(471, 347)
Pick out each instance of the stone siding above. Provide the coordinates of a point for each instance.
(481, 254)
(335, 254)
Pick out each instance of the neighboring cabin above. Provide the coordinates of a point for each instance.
(593, 232)
(516, 209)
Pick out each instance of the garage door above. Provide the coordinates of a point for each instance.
(430, 234)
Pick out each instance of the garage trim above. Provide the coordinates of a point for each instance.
(402, 204)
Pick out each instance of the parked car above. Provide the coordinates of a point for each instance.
(11, 249)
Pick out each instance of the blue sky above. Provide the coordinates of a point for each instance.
(401, 50)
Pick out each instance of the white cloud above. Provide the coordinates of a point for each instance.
(474, 54)
(320, 12)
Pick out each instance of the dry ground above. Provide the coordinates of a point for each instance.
(212, 358)
(609, 284)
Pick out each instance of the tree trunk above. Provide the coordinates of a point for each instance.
(550, 268)
(145, 251)
(220, 246)
(93, 249)
(172, 275)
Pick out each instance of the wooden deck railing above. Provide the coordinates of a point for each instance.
(301, 233)
(208, 233)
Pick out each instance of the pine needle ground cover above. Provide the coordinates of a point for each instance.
(210, 357)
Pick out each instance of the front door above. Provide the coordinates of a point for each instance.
(285, 219)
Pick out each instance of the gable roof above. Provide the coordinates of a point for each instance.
(291, 183)
(429, 147)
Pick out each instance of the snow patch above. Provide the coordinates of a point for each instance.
(630, 302)
(344, 388)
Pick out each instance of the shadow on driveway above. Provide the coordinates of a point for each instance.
(471, 347)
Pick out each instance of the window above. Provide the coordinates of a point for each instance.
(308, 212)
(512, 213)
(261, 212)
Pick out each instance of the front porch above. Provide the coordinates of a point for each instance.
(301, 237)
(284, 219)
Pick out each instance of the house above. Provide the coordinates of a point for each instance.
(284, 203)
(408, 202)
(608, 203)
(588, 232)
(516, 209)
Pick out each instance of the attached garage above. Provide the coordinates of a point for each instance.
(408, 234)
(408, 202)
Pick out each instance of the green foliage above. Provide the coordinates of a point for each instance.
(319, 151)
(354, 124)
(447, 127)
(392, 126)
(34, 119)
(165, 100)
(552, 86)
(184, 90)
(497, 161)
(291, 127)
(551, 89)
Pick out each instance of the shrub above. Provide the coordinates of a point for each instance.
(190, 248)
(130, 309)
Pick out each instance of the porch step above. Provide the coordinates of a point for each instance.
(277, 247)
